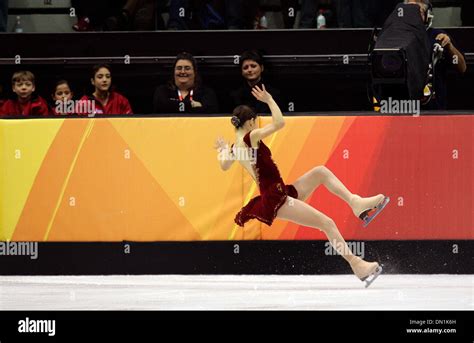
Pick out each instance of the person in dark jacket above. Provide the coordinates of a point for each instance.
(184, 93)
(252, 68)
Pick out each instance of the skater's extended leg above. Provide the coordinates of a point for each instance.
(299, 212)
(321, 175)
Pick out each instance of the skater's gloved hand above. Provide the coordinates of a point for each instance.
(261, 94)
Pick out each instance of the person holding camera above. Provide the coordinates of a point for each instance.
(451, 56)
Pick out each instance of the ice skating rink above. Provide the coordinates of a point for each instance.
(236, 292)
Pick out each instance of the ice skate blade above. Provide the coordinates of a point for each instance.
(366, 219)
(371, 278)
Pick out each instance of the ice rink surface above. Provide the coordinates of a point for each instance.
(236, 292)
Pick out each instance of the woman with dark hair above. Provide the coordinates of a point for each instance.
(104, 99)
(185, 92)
(252, 68)
(287, 202)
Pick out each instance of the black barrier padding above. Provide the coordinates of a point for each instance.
(236, 257)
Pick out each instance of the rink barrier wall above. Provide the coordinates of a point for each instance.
(158, 179)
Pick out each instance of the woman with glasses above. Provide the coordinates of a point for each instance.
(185, 92)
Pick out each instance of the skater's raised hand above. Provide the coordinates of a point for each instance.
(224, 154)
(261, 94)
(278, 121)
(220, 144)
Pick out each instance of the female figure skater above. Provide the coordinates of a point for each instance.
(287, 202)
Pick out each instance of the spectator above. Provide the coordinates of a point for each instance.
(185, 92)
(105, 100)
(26, 103)
(113, 15)
(252, 68)
(452, 57)
(3, 15)
(62, 94)
(91, 14)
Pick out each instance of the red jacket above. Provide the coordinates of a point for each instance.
(37, 106)
(117, 104)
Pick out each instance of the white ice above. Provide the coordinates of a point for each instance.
(236, 292)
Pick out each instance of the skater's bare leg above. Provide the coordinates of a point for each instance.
(321, 175)
(301, 213)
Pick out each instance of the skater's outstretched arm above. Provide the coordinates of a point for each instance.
(278, 121)
(225, 155)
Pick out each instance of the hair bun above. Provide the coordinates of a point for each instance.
(235, 121)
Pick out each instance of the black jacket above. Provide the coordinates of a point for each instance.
(166, 100)
(243, 96)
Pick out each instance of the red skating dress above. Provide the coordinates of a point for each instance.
(273, 191)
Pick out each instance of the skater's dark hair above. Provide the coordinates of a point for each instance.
(241, 114)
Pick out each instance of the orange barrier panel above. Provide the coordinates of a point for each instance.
(158, 179)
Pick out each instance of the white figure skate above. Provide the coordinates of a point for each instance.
(366, 209)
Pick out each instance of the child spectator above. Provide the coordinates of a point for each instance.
(26, 103)
(104, 100)
(62, 96)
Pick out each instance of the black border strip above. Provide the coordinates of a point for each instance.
(237, 257)
(355, 326)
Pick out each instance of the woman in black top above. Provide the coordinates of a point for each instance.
(185, 93)
(252, 68)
